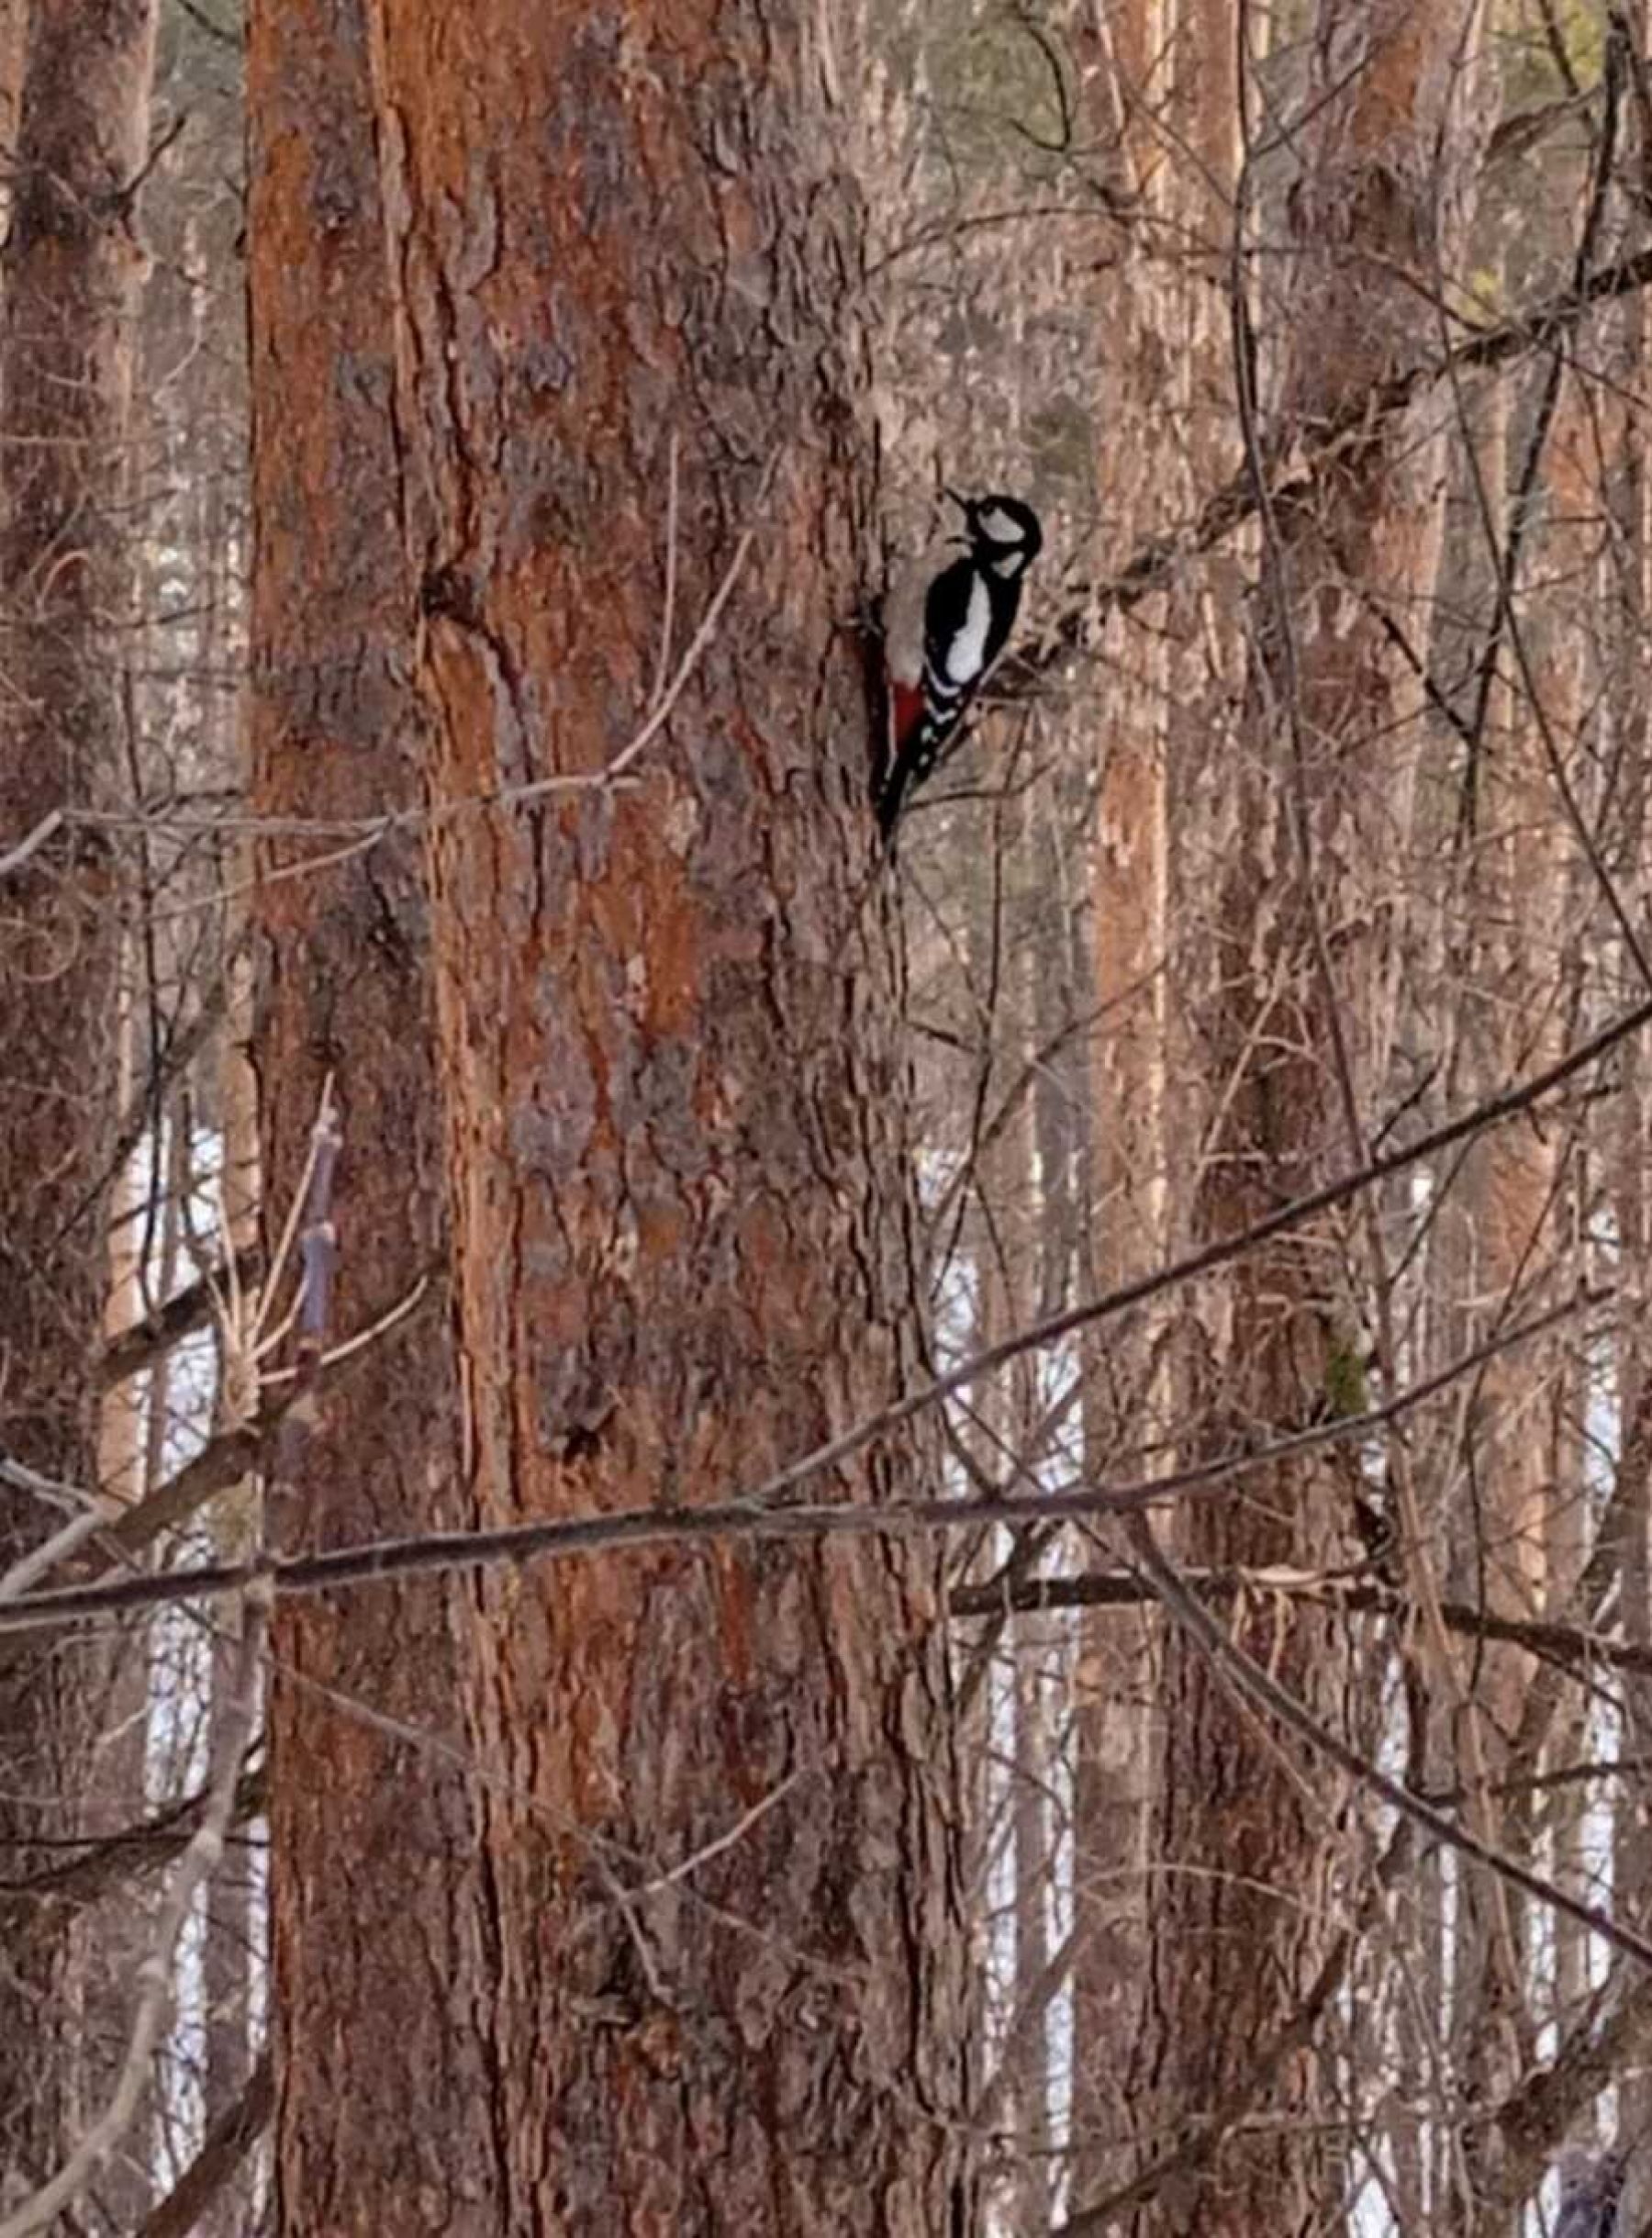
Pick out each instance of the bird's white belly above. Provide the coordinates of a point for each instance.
(968, 651)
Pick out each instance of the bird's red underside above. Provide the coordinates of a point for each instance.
(906, 705)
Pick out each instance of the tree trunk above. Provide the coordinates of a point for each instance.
(384, 2116)
(68, 284)
(1514, 1227)
(1162, 97)
(1250, 1832)
(667, 1035)
(1625, 1158)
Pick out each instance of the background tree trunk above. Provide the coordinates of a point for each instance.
(68, 292)
(1295, 1021)
(1164, 77)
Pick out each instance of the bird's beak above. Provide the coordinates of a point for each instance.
(962, 503)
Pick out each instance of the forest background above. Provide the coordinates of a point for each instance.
(702, 1529)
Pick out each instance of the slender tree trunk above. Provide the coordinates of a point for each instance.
(235, 1524)
(1124, 1148)
(386, 2120)
(1630, 1184)
(233, 1960)
(1163, 96)
(1250, 1832)
(1012, 1743)
(1515, 1512)
(68, 281)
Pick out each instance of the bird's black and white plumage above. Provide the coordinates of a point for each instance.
(1590, 2186)
(942, 638)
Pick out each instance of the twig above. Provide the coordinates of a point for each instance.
(1292, 475)
(735, 1834)
(223, 1460)
(370, 836)
(32, 842)
(1413, 1546)
(214, 30)
(1507, 563)
(1592, 2055)
(515, 796)
(1559, 53)
(68, 1498)
(141, 1343)
(318, 1260)
(116, 1859)
(359, 836)
(1220, 1252)
(127, 199)
(319, 1242)
(1566, 1643)
(228, 1457)
(176, 1052)
(337, 1354)
(298, 1208)
(41, 1561)
(1200, 2149)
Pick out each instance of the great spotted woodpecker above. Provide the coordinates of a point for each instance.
(940, 639)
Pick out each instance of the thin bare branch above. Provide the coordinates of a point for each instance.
(1290, 475)
(749, 1518)
(139, 1347)
(1568, 1644)
(118, 1859)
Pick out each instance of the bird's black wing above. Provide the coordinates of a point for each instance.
(945, 611)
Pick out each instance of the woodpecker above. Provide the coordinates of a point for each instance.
(943, 637)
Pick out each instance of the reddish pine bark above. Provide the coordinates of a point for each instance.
(668, 1060)
(384, 2120)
